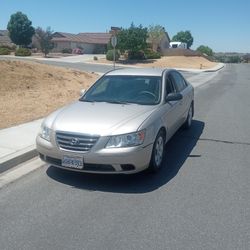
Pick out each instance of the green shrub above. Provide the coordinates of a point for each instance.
(205, 50)
(9, 47)
(136, 55)
(67, 51)
(95, 58)
(4, 51)
(151, 54)
(234, 59)
(109, 55)
(23, 52)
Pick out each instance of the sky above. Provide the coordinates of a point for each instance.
(222, 25)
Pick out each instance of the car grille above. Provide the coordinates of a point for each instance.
(75, 142)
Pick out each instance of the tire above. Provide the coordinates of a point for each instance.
(188, 123)
(158, 153)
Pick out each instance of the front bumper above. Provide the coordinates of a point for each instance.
(99, 159)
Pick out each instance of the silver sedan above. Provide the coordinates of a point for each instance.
(120, 125)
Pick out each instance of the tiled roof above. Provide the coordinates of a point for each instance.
(96, 38)
(62, 36)
(91, 38)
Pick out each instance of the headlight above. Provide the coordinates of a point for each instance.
(126, 140)
(45, 132)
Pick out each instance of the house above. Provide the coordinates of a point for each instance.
(5, 39)
(163, 45)
(90, 43)
(96, 43)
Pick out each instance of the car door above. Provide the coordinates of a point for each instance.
(172, 109)
(181, 87)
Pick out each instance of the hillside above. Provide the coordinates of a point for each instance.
(190, 62)
(31, 90)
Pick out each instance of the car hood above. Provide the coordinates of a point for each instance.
(99, 118)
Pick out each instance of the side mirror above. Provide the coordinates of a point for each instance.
(82, 92)
(173, 97)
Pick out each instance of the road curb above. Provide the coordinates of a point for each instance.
(216, 69)
(16, 158)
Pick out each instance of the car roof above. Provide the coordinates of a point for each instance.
(137, 71)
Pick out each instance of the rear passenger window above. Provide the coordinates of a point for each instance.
(179, 81)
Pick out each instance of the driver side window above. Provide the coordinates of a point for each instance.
(169, 86)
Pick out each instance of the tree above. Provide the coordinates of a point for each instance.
(44, 38)
(155, 35)
(184, 37)
(132, 39)
(205, 50)
(20, 29)
(234, 59)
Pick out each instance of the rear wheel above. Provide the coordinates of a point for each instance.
(158, 152)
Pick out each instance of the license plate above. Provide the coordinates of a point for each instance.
(72, 162)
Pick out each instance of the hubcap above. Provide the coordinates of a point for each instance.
(159, 147)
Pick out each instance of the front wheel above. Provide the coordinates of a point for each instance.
(188, 121)
(158, 152)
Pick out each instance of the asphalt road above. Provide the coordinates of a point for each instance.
(100, 68)
(200, 200)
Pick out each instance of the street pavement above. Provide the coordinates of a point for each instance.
(200, 200)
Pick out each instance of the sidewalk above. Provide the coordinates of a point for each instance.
(17, 144)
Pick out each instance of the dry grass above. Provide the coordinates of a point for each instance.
(31, 90)
(192, 62)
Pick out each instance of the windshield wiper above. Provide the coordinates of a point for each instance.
(107, 101)
(85, 100)
(117, 102)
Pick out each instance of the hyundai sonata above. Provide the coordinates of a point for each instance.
(120, 124)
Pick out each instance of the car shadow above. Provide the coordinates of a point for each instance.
(178, 149)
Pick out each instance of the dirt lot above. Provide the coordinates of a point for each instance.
(193, 62)
(32, 90)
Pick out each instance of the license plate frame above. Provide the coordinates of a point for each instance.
(74, 162)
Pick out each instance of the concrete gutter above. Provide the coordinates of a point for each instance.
(17, 158)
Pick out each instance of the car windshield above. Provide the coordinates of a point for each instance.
(143, 90)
